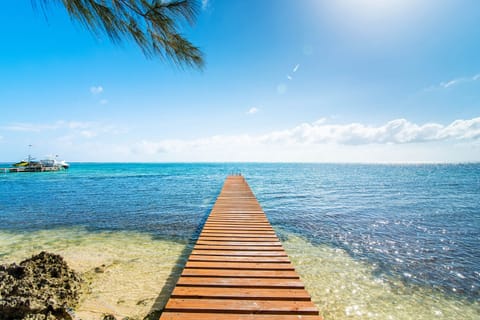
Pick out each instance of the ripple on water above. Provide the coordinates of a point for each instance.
(345, 288)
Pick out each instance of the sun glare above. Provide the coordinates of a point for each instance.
(374, 9)
(370, 18)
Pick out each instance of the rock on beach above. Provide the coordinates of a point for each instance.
(41, 287)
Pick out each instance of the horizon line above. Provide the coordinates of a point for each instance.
(272, 162)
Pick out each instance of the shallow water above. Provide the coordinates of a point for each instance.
(345, 288)
(370, 241)
(138, 273)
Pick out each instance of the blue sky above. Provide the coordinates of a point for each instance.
(314, 81)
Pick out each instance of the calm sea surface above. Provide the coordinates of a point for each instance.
(416, 224)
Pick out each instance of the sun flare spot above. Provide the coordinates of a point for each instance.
(384, 20)
(374, 9)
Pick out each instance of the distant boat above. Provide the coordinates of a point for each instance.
(22, 163)
(64, 164)
(54, 163)
(49, 164)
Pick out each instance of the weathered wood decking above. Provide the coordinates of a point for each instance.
(238, 269)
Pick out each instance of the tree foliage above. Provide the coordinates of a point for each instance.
(151, 24)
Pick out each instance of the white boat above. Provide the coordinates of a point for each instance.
(54, 163)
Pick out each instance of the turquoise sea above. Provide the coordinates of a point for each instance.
(370, 241)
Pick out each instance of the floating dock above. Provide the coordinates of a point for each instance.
(31, 169)
(238, 268)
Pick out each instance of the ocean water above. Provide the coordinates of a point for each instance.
(369, 241)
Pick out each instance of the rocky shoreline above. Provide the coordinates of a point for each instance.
(42, 287)
(123, 274)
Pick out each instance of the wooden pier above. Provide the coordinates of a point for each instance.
(238, 268)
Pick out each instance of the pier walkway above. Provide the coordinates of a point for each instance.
(238, 268)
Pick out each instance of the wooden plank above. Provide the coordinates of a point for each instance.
(240, 253)
(230, 316)
(243, 306)
(239, 259)
(239, 248)
(236, 223)
(236, 273)
(241, 293)
(252, 211)
(247, 232)
(237, 228)
(240, 217)
(244, 239)
(235, 265)
(238, 235)
(238, 243)
(221, 220)
(240, 282)
(233, 214)
(226, 226)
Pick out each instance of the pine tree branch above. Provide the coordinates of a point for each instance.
(152, 24)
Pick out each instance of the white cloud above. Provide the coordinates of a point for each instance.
(253, 110)
(395, 141)
(195, 145)
(320, 132)
(95, 90)
(462, 129)
(399, 131)
(150, 147)
(398, 140)
(395, 132)
(452, 83)
(290, 77)
(457, 81)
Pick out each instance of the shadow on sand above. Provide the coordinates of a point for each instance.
(162, 299)
(164, 295)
